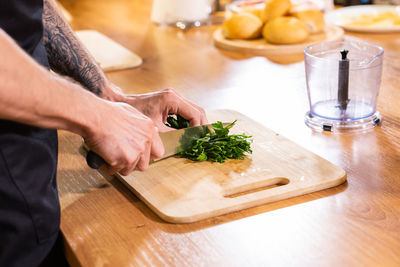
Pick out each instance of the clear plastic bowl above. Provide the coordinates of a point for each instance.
(322, 77)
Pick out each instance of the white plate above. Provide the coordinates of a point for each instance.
(343, 16)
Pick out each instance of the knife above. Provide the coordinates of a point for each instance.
(174, 142)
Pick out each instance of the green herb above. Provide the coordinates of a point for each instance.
(218, 145)
(177, 121)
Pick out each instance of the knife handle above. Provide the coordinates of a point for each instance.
(94, 161)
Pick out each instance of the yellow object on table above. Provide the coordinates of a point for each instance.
(242, 26)
(285, 30)
(313, 18)
(292, 23)
(274, 9)
(381, 19)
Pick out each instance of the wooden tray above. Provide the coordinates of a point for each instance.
(183, 191)
(260, 47)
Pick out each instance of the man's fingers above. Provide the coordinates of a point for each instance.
(139, 157)
(190, 111)
(162, 128)
(203, 116)
(131, 167)
(144, 159)
(111, 170)
(157, 147)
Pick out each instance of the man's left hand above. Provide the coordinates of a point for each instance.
(159, 104)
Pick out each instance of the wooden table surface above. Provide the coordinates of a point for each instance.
(354, 224)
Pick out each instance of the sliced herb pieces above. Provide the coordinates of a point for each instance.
(218, 145)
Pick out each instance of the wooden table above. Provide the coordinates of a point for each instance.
(355, 224)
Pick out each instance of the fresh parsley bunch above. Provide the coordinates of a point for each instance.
(218, 145)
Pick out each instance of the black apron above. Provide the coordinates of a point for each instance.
(29, 206)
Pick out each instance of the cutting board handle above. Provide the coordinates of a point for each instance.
(253, 187)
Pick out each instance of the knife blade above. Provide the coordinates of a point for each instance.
(174, 142)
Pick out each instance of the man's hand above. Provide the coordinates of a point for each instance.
(125, 138)
(126, 134)
(159, 104)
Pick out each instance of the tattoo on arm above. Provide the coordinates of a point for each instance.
(66, 54)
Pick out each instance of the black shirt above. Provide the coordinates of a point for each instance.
(22, 20)
(29, 206)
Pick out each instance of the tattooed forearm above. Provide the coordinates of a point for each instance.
(66, 54)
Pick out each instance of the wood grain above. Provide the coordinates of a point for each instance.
(354, 224)
(181, 191)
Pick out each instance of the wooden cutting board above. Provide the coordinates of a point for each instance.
(259, 47)
(109, 54)
(183, 191)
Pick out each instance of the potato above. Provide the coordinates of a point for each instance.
(285, 30)
(313, 18)
(242, 26)
(256, 11)
(274, 9)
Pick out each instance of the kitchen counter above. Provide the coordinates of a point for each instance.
(354, 224)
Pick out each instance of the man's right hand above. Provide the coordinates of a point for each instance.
(125, 138)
